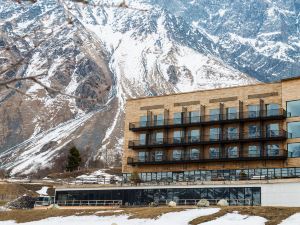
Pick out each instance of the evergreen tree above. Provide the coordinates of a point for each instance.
(74, 159)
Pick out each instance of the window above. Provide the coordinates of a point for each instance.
(294, 150)
(194, 117)
(177, 154)
(159, 119)
(194, 153)
(253, 131)
(159, 138)
(143, 121)
(232, 152)
(253, 151)
(253, 111)
(273, 109)
(294, 129)
(214, 153)
(194, 135)
(273, 130)
(214, 114)
(178, 136)
(232, 133)
(142, 139)
(158, 155)
(273, 150)
(231, 113)
(214, 134)
(177, 118)
(143, 156)
(293, 108)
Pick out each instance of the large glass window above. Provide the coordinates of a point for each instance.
(293, 108)
(214, 153)
(231, 113)
(214, 114)
(253, 131)
(178, 136)
(142, 139)
(177, 154)
(194, 135)
(253, 151)
(143, 121)
(273, 130)
(253, 111)
(194, 153)
(195, 117)
(177, 118)
(143, 156)
(294, 150)
(214, 133)
(273, 109)
(158, 155)
(273, 149)
(232, 152)
(159, 137)
(232, 133)
(294, 129)
(159, 119)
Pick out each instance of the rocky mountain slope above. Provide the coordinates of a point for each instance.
(108, 53)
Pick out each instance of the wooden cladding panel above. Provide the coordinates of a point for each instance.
(186, 103)
(152, 107)
(263, 95)
(214, 100)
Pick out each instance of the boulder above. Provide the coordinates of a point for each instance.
(222, 202)
(153, 204)
(203, 203)
(172, 204)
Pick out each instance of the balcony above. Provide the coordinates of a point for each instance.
(280, 154)
(274, 135)
(277, 114)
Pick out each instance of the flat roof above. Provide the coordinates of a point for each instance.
(215, 184)
(214, 89)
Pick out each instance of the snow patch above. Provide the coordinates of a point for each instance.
(174, 218)
(43, 191)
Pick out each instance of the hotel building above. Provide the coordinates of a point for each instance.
(239, 143)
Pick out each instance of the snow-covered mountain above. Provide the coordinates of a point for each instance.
(107, 53)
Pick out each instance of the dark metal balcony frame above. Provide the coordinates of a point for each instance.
(136, 161)
(207, 140)
(262, 115)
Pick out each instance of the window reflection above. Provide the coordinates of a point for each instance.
(293, 108)
(294, 150)
(253, 111)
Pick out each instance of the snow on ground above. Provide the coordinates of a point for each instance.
(174, 218)
(43, 191)
(108, 211)
(292, 220)
(237, 219)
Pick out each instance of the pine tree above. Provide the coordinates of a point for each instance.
(74, 159)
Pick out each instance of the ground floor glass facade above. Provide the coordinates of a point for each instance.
(215, 175)
(234, 195)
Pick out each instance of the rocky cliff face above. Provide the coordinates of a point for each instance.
(108, 54)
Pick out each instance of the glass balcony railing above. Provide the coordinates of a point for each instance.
(210, 119)
(279, 154)
(210, 139)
